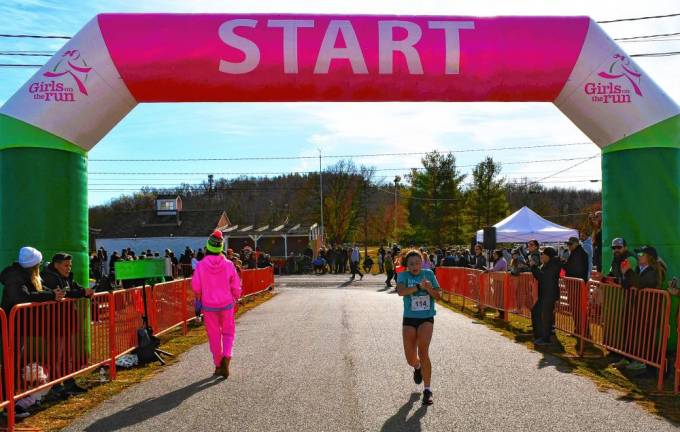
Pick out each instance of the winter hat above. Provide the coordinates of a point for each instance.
(29, 257)
(215, 242)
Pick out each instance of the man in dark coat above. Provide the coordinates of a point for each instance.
(543, 312)
(576, 265)
(58, 276)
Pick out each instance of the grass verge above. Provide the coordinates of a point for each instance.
(594, 364)
(58, 415)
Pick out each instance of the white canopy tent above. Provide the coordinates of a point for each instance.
(525, 225)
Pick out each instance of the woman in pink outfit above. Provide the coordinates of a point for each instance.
(217, 288)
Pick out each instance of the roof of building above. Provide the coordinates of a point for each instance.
(192, 223)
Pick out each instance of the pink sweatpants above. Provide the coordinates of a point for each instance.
(221, 329)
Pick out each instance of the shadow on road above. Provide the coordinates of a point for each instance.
(150, 408)
(399, 422)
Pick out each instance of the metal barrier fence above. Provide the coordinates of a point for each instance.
(44, 344)
(631, 322)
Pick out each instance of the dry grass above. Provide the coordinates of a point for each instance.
(56, 416)
(594, 364)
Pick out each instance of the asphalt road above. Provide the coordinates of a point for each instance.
(327, 356)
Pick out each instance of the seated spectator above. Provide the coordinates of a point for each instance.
(58, 276)
(23, 284)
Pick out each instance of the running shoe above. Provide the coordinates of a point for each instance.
(417, 375)
(427, 397)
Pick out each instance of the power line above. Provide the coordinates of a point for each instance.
(341, 156)
(659, 54)
(27, 36)
(316, 172)
(20, 65)
(10, 53)
(639, 18)
(647, 36)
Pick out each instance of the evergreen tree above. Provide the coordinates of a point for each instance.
(486, 196)
(435, 206)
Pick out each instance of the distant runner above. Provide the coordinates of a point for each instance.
(420, 289)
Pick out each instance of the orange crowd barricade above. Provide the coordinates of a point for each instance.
(169, 310)
(256, 280)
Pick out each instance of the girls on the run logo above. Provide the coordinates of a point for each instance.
(620, 69)
(71, 67)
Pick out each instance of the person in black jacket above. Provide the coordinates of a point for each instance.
(22, 281)
(543, 312)
(576, 265)
(478, 261)
(58, 276)
(22, 284)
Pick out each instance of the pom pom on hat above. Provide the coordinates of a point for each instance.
(215, 242)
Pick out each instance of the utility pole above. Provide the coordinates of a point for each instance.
(397, 179)
(365, 218)
(321, 195)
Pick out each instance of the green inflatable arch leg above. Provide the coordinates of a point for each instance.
(43, 195)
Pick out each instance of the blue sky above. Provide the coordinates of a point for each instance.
(289, 129)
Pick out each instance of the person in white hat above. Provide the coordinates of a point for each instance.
(22, 284)
(22, 281)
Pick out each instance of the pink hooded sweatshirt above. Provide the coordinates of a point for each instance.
(216, 282)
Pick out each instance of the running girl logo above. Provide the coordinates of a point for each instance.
(72, 68)
(620, 70)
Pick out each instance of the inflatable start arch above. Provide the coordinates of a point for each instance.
(119, 60)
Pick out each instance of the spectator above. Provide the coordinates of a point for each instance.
(319, 264)
(381, 259)
(354, 262)
(58, 276)
(344, 257)
(23, 284)
(499, 262)
(595, 220)
(199, 254)
(194, 263)
(576, 266)
(388, 265)
(651, 273)
(587, 245)
(426, 264)
(623, 264)
(479, 260)
(517, 263)
(368, 264)
(534, 258)
(449, 260)
(112, 264)
(291, 267)
(542, 314)
(331, 257)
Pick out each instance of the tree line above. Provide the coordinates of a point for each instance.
(436, 204)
